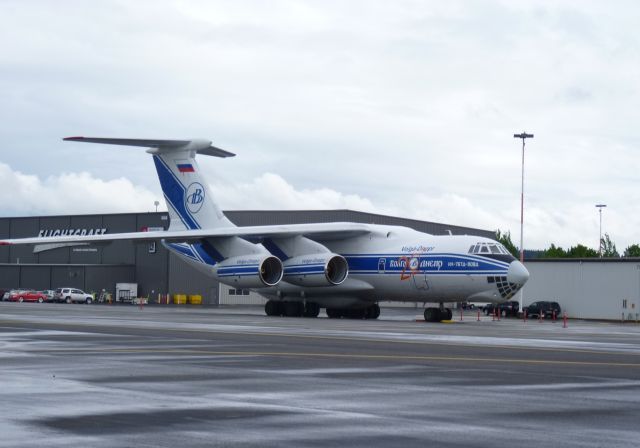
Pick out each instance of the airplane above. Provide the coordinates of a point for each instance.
(346, 268)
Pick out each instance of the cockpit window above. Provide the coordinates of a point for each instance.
(488, 248)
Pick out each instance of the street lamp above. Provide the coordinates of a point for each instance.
(523, 136)
(156, 203)
(600, 207)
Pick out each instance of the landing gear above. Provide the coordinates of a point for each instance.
(437, 314)
(273, 308)
(291, 309)
(370, 312)
(311, 309)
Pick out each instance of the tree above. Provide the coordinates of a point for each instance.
(581, 251)
(554, 252)
(505, 240)
(632, 251)
(608, 248)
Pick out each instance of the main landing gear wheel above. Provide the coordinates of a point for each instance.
(437, 314)
(370, 312)
(373, 312)
(293, 309)
(273, 308)
(311, 309)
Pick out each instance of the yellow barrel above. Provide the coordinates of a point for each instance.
(179, 299)
(195, 299)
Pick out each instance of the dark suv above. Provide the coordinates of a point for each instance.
(544, 308)
(508, 308)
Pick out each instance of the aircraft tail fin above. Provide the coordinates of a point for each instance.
(190, 204)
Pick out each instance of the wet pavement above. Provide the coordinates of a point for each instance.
(116, 376)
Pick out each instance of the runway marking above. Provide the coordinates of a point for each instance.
(338, 355)
(332, 338)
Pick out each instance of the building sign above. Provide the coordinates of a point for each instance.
(71, 232)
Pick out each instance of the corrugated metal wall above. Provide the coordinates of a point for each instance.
(587, 289)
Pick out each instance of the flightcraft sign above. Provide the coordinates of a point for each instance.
(71, 232)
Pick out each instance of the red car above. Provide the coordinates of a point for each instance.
(27, 296)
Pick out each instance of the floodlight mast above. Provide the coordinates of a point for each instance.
(600, 207)
(523, 136)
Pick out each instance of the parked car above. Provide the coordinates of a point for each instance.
(70, 295)
(10, 295)
(544, 307)
(508, 308)
(50, 295)
(27, 296)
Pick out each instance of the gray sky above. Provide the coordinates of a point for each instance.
(405, 108)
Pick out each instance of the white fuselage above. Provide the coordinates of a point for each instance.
(401, 264)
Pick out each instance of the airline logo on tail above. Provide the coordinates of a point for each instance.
(195, 197)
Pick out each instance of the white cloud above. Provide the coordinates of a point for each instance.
(401, 107)
(70, 193)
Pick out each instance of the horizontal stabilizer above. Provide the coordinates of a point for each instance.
(198, 145)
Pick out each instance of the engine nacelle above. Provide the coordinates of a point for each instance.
(323, 269)
(250, 271)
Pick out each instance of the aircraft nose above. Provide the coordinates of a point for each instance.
(517, 273)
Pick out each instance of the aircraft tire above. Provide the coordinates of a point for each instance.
(448, 314)
(432, 315)
(333, 313)
(293, 309)
(373, 312)
(311, 309)
(272, 308)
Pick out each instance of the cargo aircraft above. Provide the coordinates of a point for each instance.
(346, 268)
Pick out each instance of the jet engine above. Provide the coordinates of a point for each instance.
(322, 269)
(250, 271)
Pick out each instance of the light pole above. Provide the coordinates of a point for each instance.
(523, 136)
(156, 203)
(600, 207)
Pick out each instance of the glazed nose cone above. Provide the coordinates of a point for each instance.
(517, 273)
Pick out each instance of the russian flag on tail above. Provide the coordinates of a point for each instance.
(185, 167)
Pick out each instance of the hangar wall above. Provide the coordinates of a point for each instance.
(588, 288)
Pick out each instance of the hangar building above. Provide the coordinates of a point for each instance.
(588, 288)
(152, 267)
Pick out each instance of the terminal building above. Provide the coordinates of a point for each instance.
(151, 266)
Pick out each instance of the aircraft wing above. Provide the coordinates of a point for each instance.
(316, 231)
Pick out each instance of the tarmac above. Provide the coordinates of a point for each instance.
(165, 376)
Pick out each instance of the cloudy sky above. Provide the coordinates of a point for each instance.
(405, 108)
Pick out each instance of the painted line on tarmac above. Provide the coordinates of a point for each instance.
(338, 355)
